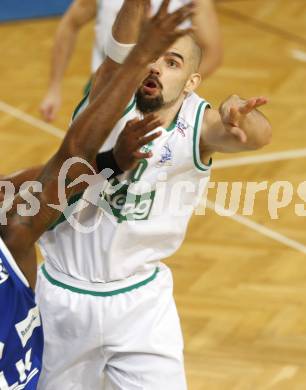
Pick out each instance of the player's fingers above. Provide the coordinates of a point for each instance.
(247, 106)
(253, 103)
(139, 156)
(48, 113)
(141, 123)
(146, 140)
(179, 16)
(163, 9)
(132, 124)
(238, 133)
(260, 101)
(43, 108)
(182, 32)
(233, 116)
(145, 129)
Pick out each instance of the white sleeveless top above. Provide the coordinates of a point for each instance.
(106, 14)
(146, 218)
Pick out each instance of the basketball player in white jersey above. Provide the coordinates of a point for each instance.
(114, 313)
(21, 335)
(81, 12)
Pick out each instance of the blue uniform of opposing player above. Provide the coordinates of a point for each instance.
(21, 334)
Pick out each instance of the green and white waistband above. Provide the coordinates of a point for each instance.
(97, 289)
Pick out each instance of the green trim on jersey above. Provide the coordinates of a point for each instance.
(79, 106)
(99, 293)
(129, 107)
(87, 86)
(173, 123)
(87, 90)
(196, 138)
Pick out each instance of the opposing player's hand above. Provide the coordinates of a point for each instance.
(50, 105)
(162, 30)
(127, 151)
(234, 112)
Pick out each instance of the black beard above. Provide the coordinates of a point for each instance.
(147, 105)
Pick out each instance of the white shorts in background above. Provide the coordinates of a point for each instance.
(133, 338)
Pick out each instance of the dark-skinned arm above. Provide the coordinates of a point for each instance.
(90, 129)
(124, 32)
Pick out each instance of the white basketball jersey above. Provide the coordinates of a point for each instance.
(106, 14)
(148, 211)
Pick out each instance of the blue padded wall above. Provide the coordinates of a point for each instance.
(28, 9)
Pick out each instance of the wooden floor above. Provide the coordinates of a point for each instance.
(241, 292)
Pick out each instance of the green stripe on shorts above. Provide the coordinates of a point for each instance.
(98, 293)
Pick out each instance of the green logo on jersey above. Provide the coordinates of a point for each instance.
(126, 206)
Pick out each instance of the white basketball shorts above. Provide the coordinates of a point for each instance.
(127, 339)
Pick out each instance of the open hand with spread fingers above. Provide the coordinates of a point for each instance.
(235, 114)
(135, 135)
(162, 30)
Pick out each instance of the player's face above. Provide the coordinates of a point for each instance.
(169, 78)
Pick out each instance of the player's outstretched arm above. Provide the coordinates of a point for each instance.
(238, 126)
(78, 14)
(123, 157)
(92, 127)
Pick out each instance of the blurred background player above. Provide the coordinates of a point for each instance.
(104, 12)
